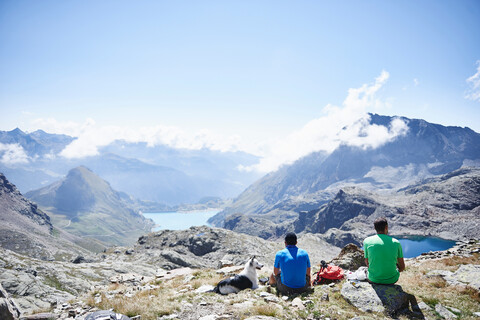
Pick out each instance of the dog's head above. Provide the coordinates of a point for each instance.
(254, 263)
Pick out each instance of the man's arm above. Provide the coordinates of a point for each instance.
(400, 264)
(276, 271)
(309, 276)
(366, 261)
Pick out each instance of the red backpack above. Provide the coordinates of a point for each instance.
(327, 274)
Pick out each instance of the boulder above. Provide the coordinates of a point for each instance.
(8, 308)
(468, 274)
(350, 258)
(389, 299)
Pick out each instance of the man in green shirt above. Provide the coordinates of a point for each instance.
(383, 255)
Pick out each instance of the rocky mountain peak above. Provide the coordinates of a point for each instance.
(10, 196)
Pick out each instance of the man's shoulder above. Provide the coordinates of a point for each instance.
(370, 238)
(302, 251)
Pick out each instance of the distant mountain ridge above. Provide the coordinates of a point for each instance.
(84, 204)
(426, 150)
(154, 173)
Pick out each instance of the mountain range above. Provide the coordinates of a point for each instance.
(426, 150)
(154, 173)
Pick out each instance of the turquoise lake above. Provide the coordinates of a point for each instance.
(180, 220)
(413, 246)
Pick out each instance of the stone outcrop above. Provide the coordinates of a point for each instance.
(350, 258)
(466, 275)
(8, 308)
(204, 247)
(389, 299)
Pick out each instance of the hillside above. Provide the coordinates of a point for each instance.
(87, 206)
(426, 150)
(129, 281)
(25, 229)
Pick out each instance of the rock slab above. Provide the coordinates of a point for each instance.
(375, 298)
(8, 309)
(444, 312)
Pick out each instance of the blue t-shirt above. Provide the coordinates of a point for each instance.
(293, 263)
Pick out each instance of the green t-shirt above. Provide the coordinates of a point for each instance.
(382, 252)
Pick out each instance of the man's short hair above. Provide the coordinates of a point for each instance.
(291, 239)
(380, 224)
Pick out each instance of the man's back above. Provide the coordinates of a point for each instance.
(382, 252)
(293, 263)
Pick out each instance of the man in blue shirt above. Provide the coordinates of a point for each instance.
(291, 271)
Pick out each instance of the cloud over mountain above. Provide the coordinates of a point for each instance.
(12, 153)
(346, 124)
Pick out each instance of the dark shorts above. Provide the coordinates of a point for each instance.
(285, 290)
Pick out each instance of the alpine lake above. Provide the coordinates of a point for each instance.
(413, 246)
(180, 220)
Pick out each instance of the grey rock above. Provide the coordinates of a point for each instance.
(468, 274)
(477, 314)
(454, 310)
(80, 259)
(423, 306)
(350, 258)
(438, 273)
(444, 312)
(375, 298)
(8, 308)
(205, 288)
(40, 316)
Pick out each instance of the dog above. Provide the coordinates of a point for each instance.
(247, 279)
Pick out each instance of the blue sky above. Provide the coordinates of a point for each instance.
(247, 73)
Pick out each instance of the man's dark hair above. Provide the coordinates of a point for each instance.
(380, 224)
(291, 239)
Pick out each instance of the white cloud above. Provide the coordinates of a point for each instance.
(473, 92)
(339, 125)
(415, 82)
(346, 124)
(90, 137)
(12, 154)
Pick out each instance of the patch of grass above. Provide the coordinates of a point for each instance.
(139, 304)
(431, 302)
(266, 310)
(438, 282)
(52, 281)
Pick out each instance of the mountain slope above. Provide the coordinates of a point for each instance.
(87, 206)
(447, 206)
(27, 230)
(424, 151)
